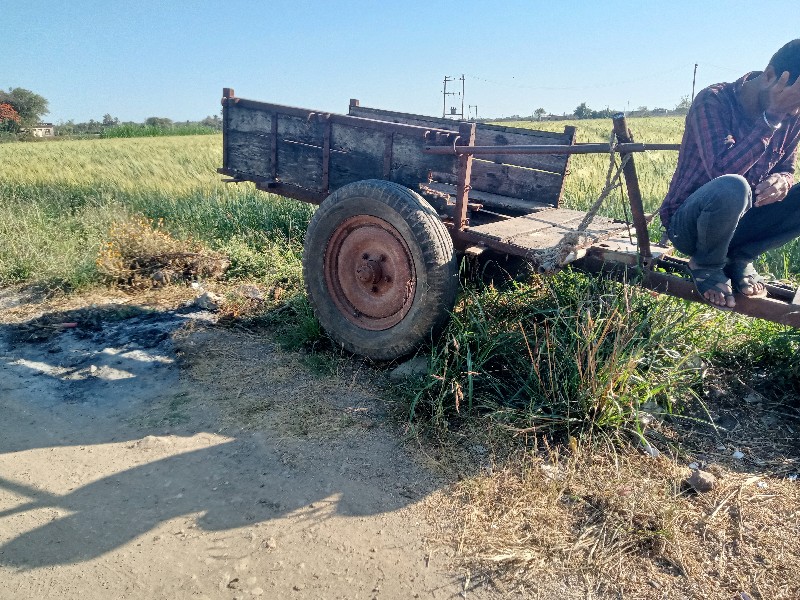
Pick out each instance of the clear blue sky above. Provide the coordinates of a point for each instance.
(140, 58)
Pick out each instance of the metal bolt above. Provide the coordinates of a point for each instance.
(365, 256)
(382, 258)
(387, 279)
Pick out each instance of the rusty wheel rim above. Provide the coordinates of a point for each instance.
(369, 272)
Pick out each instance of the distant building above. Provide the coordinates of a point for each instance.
(43, 130)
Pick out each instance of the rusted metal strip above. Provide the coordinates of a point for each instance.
(634, 194)
(466, 132)
(551, 149)
(387, 155)
(770, 309)
(326, 158)
(227, 93)
(289, 190)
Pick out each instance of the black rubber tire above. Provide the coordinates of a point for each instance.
(429, 245)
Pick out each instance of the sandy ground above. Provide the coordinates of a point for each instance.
(150, 454)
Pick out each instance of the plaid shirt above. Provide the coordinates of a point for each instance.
(719, 139)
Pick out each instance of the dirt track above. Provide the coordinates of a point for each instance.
(152, 455)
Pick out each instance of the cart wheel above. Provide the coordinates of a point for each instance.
(379, 268)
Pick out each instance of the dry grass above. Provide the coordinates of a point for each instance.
(622, 524)
(139, 253)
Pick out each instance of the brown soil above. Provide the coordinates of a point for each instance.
(148, 453)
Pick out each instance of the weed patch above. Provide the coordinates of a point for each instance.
(569, 351)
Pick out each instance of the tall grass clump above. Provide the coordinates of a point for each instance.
(570, 351)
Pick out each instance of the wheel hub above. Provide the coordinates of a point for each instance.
(369, 271)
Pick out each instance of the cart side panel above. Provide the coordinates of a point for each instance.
(541, 187)
(490, 135)
(248, 141)
(308, 154)
(410, 166)
(356, 154)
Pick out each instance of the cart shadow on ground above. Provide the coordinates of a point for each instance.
(147, 416)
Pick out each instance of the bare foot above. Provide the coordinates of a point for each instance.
(714, 286)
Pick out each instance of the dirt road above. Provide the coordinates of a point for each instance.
(148, 454)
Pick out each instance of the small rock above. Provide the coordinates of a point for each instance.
(762, 484)
(702, 481)
(234, 583)
(257, 592)
(650, 450)
(208, 301)
(299, 587)
(416, 367)
(250, 291)
(738, 455)
(694, 466)
(792, 477)
(93, 369)
(271, 543)
(164, 277)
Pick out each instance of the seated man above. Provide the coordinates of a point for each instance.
(731, 198)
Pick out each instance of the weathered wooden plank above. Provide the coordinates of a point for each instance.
(356, 154)
(508, 180)
(248, 153)
(489, 135)
(300, 164)
(511, 181)
(555, 163)
(410, 166)
(439, 123)
(247, 120)
(536, 226)
(510, 228)
(491, 200)
(306, 131)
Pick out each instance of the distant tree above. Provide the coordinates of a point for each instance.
(9, 118)
(109, 121)
(583, 111)
(161, 122)
(212, 121)
(684, 105)
(642, 109)
(67, 128)
(29, 106)
(539, 113)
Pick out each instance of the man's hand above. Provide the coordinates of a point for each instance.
(773, 189)
(782, 100)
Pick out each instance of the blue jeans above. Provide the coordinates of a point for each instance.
(718, 223)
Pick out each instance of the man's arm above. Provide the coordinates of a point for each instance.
(720, 152)
(775, 187)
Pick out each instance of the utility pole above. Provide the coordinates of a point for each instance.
(462, 96)
(445, 94)
(694, 78)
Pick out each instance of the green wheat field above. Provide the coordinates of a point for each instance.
(601, 349)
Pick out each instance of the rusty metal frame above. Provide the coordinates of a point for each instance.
(634, 193)
(773, 308)
(658, 274)
(466, 132)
